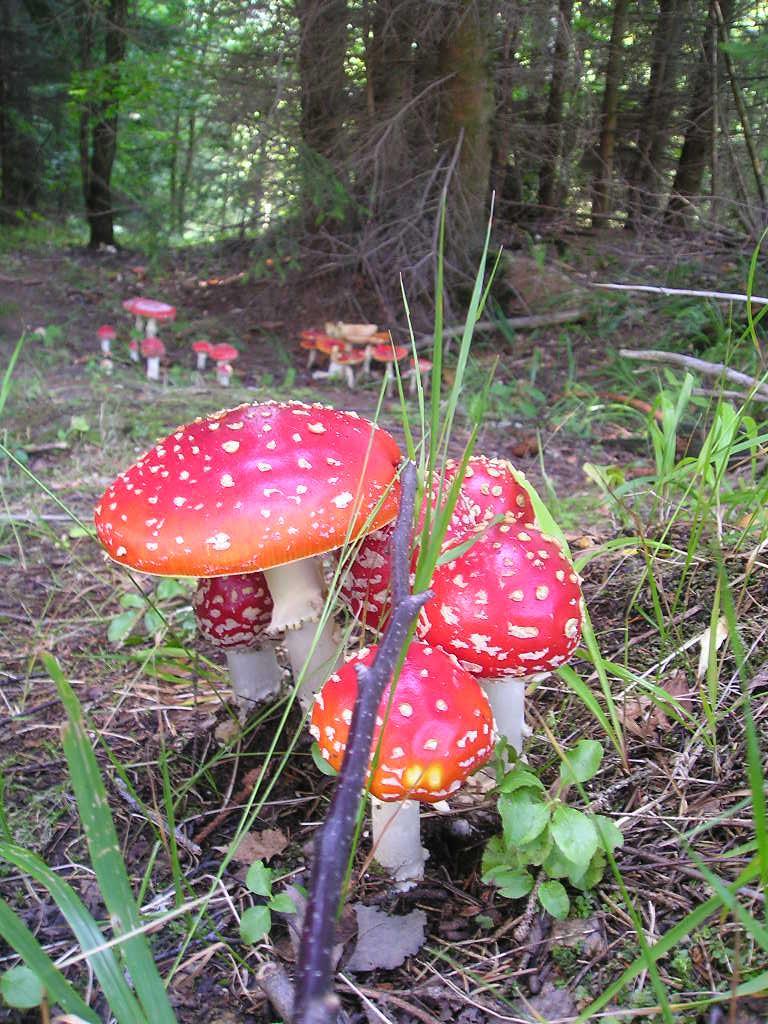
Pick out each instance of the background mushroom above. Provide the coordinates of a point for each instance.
(434, 728)
(202, 350)
(152, 311)
(223, 355)
(107, 335)
(233, 613)
(153, 350)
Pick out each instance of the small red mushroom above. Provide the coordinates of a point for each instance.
(153, 350)
(107, 335)
(389, 354)
(202, 350)
(421, 369)
(509, 607)
(133, 350)
(223, 355)
(233, 613)
(493, 488)
(434, 728)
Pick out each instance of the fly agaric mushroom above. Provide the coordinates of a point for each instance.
(223, 355)
(493, 488)
(434, 728)
(267, 486)
(421, 368)
(107, 335)
(130, 307)
(152, 311)
(233, 613)
(153, 350)
(133, 350)
(202, 350)
(389, 355)
(509, 607)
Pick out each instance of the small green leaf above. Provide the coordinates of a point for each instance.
(514, 883)
(121, 627)
(132, 600)
(588, 879)
(558, 866)
(282, 904)
(519, 779)
(259, 879)
(524, 815)
(79, 424)
(169, 588)
(320, 762)
(153, 621)
(255, 924)
(582, 762)
(574, 834)
(609, 832)
(21, 988)
(554, 899)
(537, 851)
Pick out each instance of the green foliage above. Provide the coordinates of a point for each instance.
(541, 831)
(166, 609)
(256, 922)
(21, 988)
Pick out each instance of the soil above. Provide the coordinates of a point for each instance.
(164, 708)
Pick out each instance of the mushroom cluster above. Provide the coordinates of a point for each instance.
(355, 347)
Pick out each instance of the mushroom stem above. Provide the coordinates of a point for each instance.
(105, 346)
(397, 839)
(151, 327)
(201, 360)
(297, 594)
(153, 368)
(507, 700)
(254, 674)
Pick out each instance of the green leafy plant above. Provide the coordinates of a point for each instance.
(256, 922)
(167, 607)
(541, 830)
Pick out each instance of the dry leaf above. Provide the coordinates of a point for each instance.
(260, 846)
(385, 941)
(721, 635)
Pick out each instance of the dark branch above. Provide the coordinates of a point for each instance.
(315, 1002)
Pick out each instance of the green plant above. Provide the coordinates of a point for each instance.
(167, 607)
(256, 921)
(541, 830)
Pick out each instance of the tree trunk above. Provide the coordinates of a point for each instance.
(19, 171)
(653, 130)
(502, 183)
(553, 116)
(700, 129)
(601, 196)
(465, 122)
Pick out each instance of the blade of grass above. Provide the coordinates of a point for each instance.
(104, 849)
(5, 387)
(90, 937)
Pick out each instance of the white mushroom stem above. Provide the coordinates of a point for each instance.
(106, 346)
(507, 699)
(298, 599)
(153, 368)
(223, 373)
(201, 360)
(397, 839)
(151, 327)
(254, 673)
(133, 351)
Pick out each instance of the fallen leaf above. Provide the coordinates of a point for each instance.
(384, 940)
(586, 934)
(260, 845)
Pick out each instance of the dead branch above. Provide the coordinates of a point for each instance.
(756, 300)
(698, 365)
(524, 323)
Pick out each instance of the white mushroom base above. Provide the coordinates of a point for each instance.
(254, 673)
(397, 839)
(153, 368)
(507, 700)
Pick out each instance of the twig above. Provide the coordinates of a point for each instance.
(757, 300)
(521, 322)
(740, 396)
(692, 363)
(274, 982)
(249, 781)
(315, 1002)
(147, 812)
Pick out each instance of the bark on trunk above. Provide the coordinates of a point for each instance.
(645, 181)
(601, 197)
(553, 116)
(18, 151)
(699, 132)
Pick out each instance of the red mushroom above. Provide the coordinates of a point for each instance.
(223, 355)
(133, 350)
(421, 369)
(153, 350)
(152, 311)
(267, 486)
(493, 488)
(233, 613)
(107, 335)
(509, 607)
(434, 728)
(202, 350)
(389, 355)
(130, 307)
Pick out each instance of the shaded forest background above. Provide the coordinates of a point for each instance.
(331, 127)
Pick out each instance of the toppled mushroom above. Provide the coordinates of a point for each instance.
(233, 613)
(268, 486)
(434, 728)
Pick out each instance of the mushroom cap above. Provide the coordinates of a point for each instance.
(150, 308)
(223, 353)
(233, 611)
(422, 364)
(152, 347)
(389, 353)
(327, 344)
(355, 332)
(202, 346)
(511, 605)
(365, 588)
(437, 730)
(129, 304)
(107, 331)
(493, 488)
(348, 357)
(251, 488)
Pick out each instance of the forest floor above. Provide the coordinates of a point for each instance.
(580, 422)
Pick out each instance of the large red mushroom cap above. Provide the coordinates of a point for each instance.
(150, 308)
(511, 605)
(251, 488)
(493, 488)
(152, 348)
(202, 346)
(233, 611)
(223, 353)
(437, 730)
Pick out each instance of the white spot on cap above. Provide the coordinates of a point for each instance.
(231, 446)
(405, 710)
(226, 480)
(542, 593)
(430, 745)
(219, 541)
(523, 632)
(316, 428)
(263, 467)
(343, 499)
(120, 552)
(441, 705)
(179, 502)
(572, 628)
